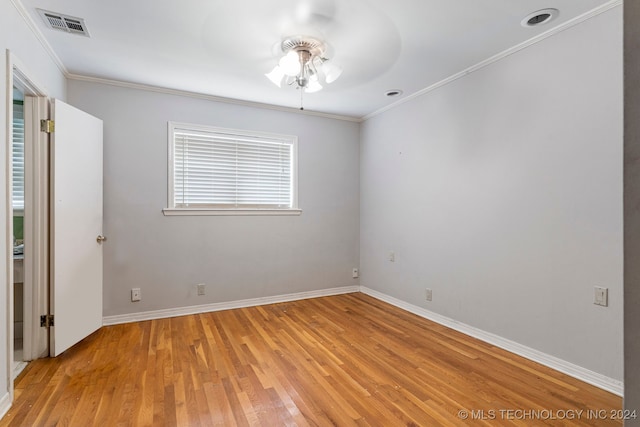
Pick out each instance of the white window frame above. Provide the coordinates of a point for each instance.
(172, 210)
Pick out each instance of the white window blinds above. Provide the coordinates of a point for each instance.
(229, 169)
(18, 156)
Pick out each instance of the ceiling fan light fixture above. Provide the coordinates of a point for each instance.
(304, 62)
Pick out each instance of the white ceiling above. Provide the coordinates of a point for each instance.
(224, 47)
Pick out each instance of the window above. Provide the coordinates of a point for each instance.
(215, 171)
(18, 155)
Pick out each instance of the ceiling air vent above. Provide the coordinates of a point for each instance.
(60, 22)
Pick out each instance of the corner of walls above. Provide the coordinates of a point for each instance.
(606, 383)
(507, 205)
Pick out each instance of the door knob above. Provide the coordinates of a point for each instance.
(101, 238)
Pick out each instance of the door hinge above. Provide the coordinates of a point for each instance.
(46, 320)
(48, 126)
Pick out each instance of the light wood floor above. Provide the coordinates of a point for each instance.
(335, 361)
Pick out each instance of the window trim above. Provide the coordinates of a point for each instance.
(172, 210)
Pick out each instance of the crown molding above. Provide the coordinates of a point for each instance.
(214, 98)
(38, 34)
(504, 54)
(56, 59)
(540, 37)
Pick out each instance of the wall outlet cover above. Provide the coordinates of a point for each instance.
(601, 296)
(429, 294)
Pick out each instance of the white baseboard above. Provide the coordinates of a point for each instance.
(5, 404)
(18, 367)
(205, 308)
(578, 372)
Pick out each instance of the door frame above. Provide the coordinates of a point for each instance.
(36, 231)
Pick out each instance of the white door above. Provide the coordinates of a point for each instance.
(76, 223)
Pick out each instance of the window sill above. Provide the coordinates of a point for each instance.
(238, 212)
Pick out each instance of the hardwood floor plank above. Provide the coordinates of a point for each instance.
(347, 360)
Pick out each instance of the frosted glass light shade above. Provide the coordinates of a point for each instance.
(331, 72)
(290, 64)
(313, 86)
(276, 76)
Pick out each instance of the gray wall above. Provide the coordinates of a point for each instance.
(17, 37)
(632, 209)
(237, 257)
(506, 199)
(502, 192)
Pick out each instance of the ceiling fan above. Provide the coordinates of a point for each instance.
(306, 43)
(304, 63)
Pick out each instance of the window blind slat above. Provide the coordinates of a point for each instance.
(227, 169)
(17, 156)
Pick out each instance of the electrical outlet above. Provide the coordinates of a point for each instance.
(601, 296)
(392, 256)
(428, 293)
(355, 273)
(200, 287)
(136, 294)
